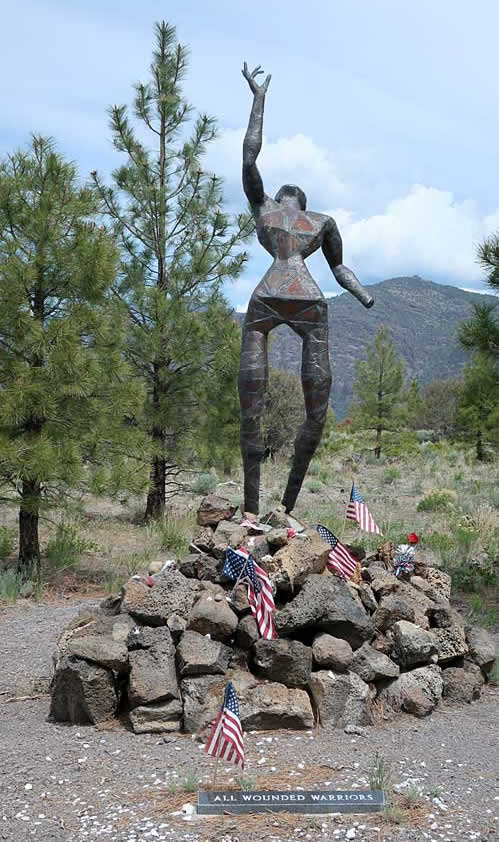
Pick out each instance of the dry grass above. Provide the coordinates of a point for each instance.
(124, 546)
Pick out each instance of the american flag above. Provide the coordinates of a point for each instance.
(358, 511)
(340, 560)
(226, 739)
(239, 564)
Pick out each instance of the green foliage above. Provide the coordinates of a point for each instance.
(113, 582)
(190, 782)
(173, 532)
(441, 402)
(482, 615)
(472, 578)
(247, 782)
(392, 813)
(439, 541)
(315, 486)
(401, 446)
(11, 584)
(6, 542)
(204, 483)
(479, 405)
(284, 412)
(378, 388)
(216, 432)
(380, 776)
(436, 501)
(390, 475)
(64, 550)
(413, 796)
(64, 383)
(178, 247)
(481, 333)
(414, 406)
(313, 469)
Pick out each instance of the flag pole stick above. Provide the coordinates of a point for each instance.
(345, 521)
(216, 764)
(239, 578)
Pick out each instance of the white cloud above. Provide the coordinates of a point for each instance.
(478, 291)
(426, 232)
(296, 160)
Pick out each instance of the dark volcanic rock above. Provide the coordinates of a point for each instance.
(417, 692)
(481, 647)
(372, 665)
(212, 615)
(82, 692)
(460, 685)
(100, 649)
(172, 593)
(341, 698)
(153, 677)
(159, 718)
(198, 655)
(332, 653)
(325, 603)
(411, 644)
(213, 509)
(284, 661)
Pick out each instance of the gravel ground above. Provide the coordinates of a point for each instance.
(64, 783)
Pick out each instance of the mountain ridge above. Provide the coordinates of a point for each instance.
(423, 319)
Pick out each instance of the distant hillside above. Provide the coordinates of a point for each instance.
(423, 319)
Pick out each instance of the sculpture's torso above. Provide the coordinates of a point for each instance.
(289, 235)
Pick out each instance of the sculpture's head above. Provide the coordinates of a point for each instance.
(292, 195)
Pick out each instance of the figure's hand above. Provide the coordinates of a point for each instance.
(251, 80)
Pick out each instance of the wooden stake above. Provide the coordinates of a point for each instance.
(216, 767)
(239, 578)
(345, 520)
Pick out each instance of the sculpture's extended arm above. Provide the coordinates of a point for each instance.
(252, 180)
(333, 252)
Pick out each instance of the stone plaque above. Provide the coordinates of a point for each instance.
(291, 801)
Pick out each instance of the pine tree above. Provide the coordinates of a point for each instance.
(178, 247)
(479, 404)
(64, 387)
(378, 388)
(441, 403)
(415, 405)
(216, 429)
(284, 412)
(481, 332)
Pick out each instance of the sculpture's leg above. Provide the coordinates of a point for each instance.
(316, 382)
(253, 375)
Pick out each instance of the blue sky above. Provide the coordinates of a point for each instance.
(385, 111)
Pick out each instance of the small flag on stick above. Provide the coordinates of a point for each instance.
(358, 511)
(226, 739)
(340, 559)
(241, 566)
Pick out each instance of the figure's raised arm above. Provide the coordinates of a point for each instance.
(333, 252)
(252, 180)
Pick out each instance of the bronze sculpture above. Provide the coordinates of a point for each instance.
(287, 294)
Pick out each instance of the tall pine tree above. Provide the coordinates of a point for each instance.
(378, 388)
(479, 403)
(414, 406)
(481, 332)
(64, 387)
(178, 247)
